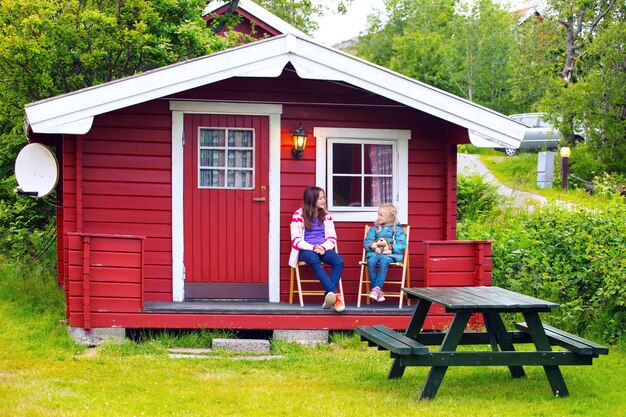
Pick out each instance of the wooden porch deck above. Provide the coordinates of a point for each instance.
(259, 315)
(265, 308)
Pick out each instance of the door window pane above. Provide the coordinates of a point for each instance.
(231, 160)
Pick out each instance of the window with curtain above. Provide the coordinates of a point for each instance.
(226, 158)
(361, 174)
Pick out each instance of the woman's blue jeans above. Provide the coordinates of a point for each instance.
(378, 278)
(330, 257)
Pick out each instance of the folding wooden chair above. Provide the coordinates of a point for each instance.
(299, 281)
(405, 281)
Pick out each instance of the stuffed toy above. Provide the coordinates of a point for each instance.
(381, 245)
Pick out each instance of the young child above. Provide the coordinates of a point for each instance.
(385, 227)
(313, 239)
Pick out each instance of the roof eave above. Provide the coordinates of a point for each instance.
(72, 113)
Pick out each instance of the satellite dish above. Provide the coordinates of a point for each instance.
(36, 170)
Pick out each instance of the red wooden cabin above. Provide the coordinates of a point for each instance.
(178, 185)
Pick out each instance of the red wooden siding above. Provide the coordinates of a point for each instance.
(457, 263)
(430, 216)
(105, 274)
(117, 181)
(432, 159)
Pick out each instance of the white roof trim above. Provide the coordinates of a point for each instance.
(261, 14)
(69, 113)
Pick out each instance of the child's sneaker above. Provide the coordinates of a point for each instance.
(339, 304)
(374, 293)
(329, 300)
(381, 296)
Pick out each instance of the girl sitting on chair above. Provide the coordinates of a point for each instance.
(387, 228)
(313, 238)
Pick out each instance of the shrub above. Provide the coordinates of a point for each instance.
(475, 197)
(575, 257)
(584, 163)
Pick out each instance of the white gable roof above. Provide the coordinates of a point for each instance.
(73, 113)
(260, 13)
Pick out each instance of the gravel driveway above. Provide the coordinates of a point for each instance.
(470, 164)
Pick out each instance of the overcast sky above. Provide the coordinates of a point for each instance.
(336, 28)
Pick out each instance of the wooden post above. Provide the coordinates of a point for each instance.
(86, 284)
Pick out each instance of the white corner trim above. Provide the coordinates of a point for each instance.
(274, 112)
(401, 138)
(178, 226)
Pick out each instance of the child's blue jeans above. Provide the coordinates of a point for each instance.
(330, 257)
(377, 279)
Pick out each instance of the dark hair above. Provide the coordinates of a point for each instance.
(309, 206)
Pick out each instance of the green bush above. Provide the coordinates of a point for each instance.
(575, 257)
(584, 163)
(475, 197)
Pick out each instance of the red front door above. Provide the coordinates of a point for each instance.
(226, 206)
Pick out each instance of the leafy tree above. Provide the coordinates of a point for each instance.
(534, 59)
(414, 39)
(588, 93)
(458, 47)
(483, 41)
(50, 47)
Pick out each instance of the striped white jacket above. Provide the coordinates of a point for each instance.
(297, 236)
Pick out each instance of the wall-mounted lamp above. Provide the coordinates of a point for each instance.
(565, 153)
(298, 138)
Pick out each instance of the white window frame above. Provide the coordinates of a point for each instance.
(226, 168)
(325, 136)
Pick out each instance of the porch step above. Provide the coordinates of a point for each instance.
(303, 337)
(242, 345)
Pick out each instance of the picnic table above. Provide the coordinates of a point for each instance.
(411, 347)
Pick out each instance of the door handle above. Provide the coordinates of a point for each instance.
(258, 199)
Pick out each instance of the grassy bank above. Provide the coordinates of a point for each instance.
(42, 372)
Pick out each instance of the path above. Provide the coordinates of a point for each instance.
(470, 164)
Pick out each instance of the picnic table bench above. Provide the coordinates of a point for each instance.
(411, 347)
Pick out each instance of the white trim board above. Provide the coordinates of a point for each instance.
(274, 112)
(72, 113)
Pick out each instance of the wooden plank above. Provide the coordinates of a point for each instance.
(569, 341)
(455, 264)
(478, 298)
(107, 259)
(126, 175)
(127, 202)
(388, 339)
(556, 358)
(108, 289)
(127, 216)
(108, 274)
(107, 244)
(418, 348)
(114, 147)
(127, 161)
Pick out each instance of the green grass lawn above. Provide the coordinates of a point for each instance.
(44, 373)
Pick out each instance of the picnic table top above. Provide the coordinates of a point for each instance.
(487, 298)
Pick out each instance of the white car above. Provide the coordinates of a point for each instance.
(540, 135)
